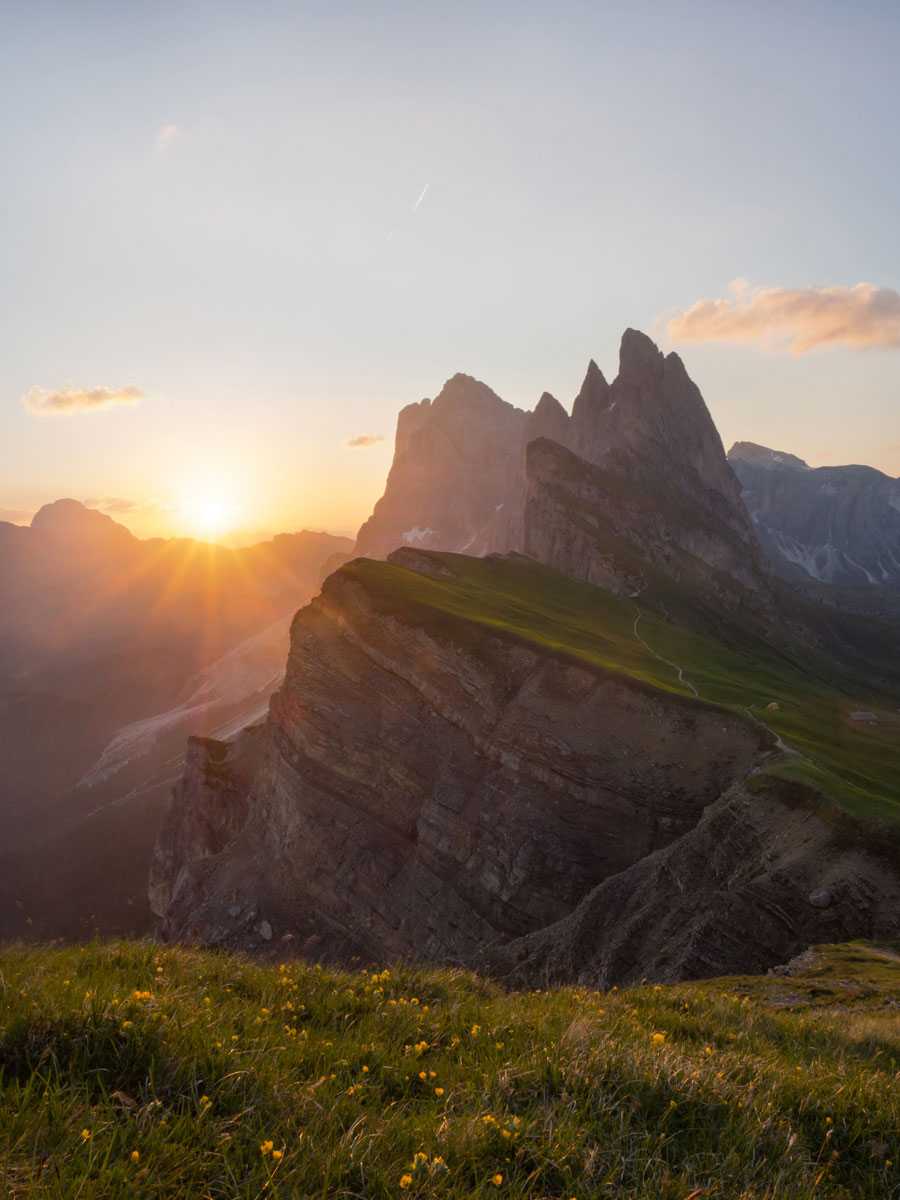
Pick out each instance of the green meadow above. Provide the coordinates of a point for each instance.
(854, 765)
(147, 1071)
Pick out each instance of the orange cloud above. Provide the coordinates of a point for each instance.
(45, 403)
(16, 516)
(364, 439)
(864, 317)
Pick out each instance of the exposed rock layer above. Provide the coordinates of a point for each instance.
(762, 876)
(424, 791)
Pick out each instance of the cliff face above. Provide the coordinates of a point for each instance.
(639, 461)
(454, 468)
(623, 530)
(426, 788)
(760, 878)
(837, 525)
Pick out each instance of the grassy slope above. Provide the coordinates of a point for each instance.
(131, 1069)
(853, 764)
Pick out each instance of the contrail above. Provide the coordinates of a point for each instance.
(421, 197)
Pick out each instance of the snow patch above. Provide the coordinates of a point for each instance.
(417, 535)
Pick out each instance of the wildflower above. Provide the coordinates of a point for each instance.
(496, 1180)
(659, 1038)
(266, 1147)
(423, 1074)
(277, 1154)
(419, 1160)
(85, 1134)
(135, 1155)
(439, 1091)
(476, 1029)
(405, 1181)
(365, 1070)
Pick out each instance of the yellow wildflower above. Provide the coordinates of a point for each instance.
(497, 1180)
(135, 1155)
(405, 1181)
(659, 1038)
(276, 1154)
(439, 1091)
(85, 1134)
(266, 1147)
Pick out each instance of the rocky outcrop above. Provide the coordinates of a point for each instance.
(455, 464)
(837, 525)
(763, 875)
(207, 809)
(626, 532)
(428, 785)
(638, 463)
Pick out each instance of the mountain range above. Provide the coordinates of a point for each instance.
(112, 651)
(575, 726)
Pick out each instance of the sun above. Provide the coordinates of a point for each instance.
(208, 515)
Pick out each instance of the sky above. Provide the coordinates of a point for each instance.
(237, 237)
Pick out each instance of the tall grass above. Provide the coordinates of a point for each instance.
(136, 1070)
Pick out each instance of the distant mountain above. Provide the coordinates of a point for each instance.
(112, 651)
(836, 525)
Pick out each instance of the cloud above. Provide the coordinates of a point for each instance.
(111, 504)
(15, 516)
(421, 197)
(364, 439)
(124, 504)
(73, 400)
(864, 317)
(166, 136)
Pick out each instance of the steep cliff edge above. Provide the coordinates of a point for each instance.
(467, 752)
(767, 872)
(433, 778)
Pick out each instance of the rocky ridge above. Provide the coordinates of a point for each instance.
(423, 791)
(835, 525)
(639, 459)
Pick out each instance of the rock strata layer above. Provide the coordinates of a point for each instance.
(425, 789)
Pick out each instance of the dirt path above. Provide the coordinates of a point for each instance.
(674, 666)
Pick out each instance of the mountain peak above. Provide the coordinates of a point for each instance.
(762, 456)
(70, 518)
(640, 356)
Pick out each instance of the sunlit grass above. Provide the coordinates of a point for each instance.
(855, 765)
(132, 1069)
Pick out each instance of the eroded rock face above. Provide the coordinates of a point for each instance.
(424, 791)
(638, 461)
(837, 525)
(454, 468)
(761, 877)
(207, 810)
(624, 532)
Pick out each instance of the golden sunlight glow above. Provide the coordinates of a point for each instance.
(208, 515)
